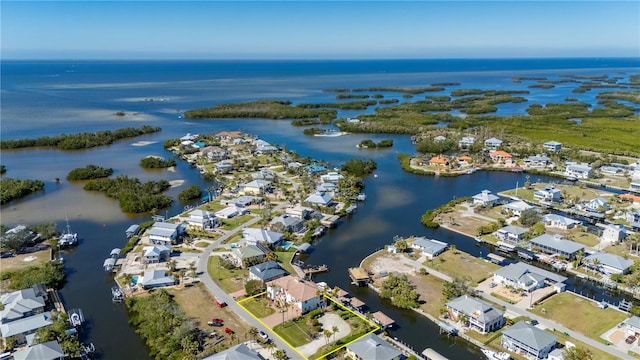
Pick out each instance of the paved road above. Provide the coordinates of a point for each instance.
(417, 264)
(222, 296)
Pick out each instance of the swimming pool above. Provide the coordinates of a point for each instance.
(287, 244)
(134, 280)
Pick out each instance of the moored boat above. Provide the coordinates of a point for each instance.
(68, 238)
(493, 355)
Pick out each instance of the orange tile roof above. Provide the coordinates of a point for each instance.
(464, 158)
(501, 153)
(631, 197)
(231, 134)
(439, 160)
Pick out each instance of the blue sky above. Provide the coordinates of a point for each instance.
(318, 29)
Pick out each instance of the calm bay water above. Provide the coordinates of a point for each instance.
(49, 98)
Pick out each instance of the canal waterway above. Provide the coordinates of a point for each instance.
(51, 98)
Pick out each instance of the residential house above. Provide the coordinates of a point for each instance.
(439, 161)
(464, 160)
(485, 198)
(353, 121)
(255, 187)
(189, 137)
(579, 171)
(223, 167)
(49, 350)
(263, 147)
(249, 255)
(527, 339)
(264, 174)
(611, 170)
(155, 254)
(633, 217)
(439, 138)
(298, 211)
(326, 187)
(527, 277)
(320, 199)
(548, 194)
(466, 141)
(372, 347)
(556, 244)
(598, 204)
(632, 325)
(492, 143)
(254, 236)
(20, 328)
(516, 207)
(214, 153)
(314, 169)
(228, 135)
(242, 201)
(480, 315)
(20, 304)
(289, 289)
(614, 233)
(539, 160)
(430, 248)
(164, 233)
(500, 156)
(287, 223)
(267, 271)
(552, 146)
(607, 263)
(558, 221)
(238, 352)
(229, 212)
(154, 278)
(331, 177)
(511, 234)
(202, 219)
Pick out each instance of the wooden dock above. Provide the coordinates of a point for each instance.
(315, 269)
(359, 276)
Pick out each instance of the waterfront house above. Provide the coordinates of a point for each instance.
(548, 193)
(189, 137)
(287, 223)
(164, 233)
(254, 236)
(242, 201)
(608, 263)
(466, 141)
(202, 219)
(326, 187)
(527, 339)
(249, 255)
(485, 198)
(49, 350)
(556, 244)
(598, 204)
(614, 233)
(23, 327)
(20, 304)
(539, 160)
(511, 234)
(267, 271)
(154, 278)
(430, 248)
(500, 155)
(611, 170)
(552, 146)
(515, 208)
(263, 147)
(314, 169)
(480, 315)
(492, 143)
(579, 171)
(372, 347)
(214, 153)
(439, 161)
(319, 199)
(289, 289)
(155, 254)
(382, 319)
(255, 187)
(228, 135)
(558, 221)
(223, 167)
(331, 177)
(238, 352)
(464, 160)
(632, 325)
(228, 212)
(298, 211)
(527, 277)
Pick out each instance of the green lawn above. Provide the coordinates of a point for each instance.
(201, 244)
(459, 264)
(229, 280)
(296, 332)
(284, 257)
(259, 307)
(230, 224)
(579, 314)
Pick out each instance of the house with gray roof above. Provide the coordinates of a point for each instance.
(263, 147)
(254, 236)
(608, 263)
(267, 271)
(614, 233)
(255, 187)
(485, 198)
(22, 327)
(597, 204)
(527, 277)
(511, 234)
(287, 223)
(552, 146)
(492, 143)
(202, 219)
(466, 141)
(528, 339)
(559, 221)
(49, 350)
(331, 177)
(579, 171)
(556, 244)
(20, 304)
(516, 207)
(480, 315)
(539, 160)
(155, 253)
(248, 255)
(372, 347)
(163, 233)
(157, 278)
(431, 248)
(548, 193)
(632, 324)
(320, 199)
(238, 352)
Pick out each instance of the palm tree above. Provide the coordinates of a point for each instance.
(280, 355)
(327, 334)
(254, 333)
(334, 330)
(271, 346)
(453, 248)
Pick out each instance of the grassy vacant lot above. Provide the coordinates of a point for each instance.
(296, 332)
(430, 289)
(258, 306)
(230, 280)
(579, 314)
(230, 224)
(23, 261)
(458, 264)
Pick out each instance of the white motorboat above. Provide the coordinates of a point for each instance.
(68, 238)
(493, 355)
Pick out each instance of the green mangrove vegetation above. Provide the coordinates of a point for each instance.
(155, 162)
(313, 131)
(89, 172)
(630, 96)
(50, 274)
(190, 193)
(428, 217)
(359, 167)
(349, 105)
(405, 162)
(352, 96)
(133, 196)
(370, 144)
(12, 189)
(267, 109)
(81, 140)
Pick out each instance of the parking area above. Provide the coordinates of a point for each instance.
(622, 339)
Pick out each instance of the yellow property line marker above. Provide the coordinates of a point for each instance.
(376, 327)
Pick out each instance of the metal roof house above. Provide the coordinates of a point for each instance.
(527, 339)
(287, 223)
(580, 171)
(429, 247)
(248, 255)
(516, 207)
(255, 187)
(238, 352)
(20, 304)
(22, 327)
(372, 347)
(254, 236)
(164, 233)
(481, 316)
(49, 350)
(511, 234)
(485, 198)
(559, 221)
(528, 277)
(548, 193)
(157, 278)
(492, 143)
(556, 244)
(552, 146)
(608, 263)
(321, 199)
(267, 271)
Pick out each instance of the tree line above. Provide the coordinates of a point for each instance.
(12, 189)
(89, 172)
(133, 195)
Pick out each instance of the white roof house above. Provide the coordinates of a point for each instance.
(25, 326)
(49, 350)
(228, 212)
(331, 177)
(558, 221)
(613, 233)
(485, 198)
(511, 234)
(608, 263)
(20, 304)
(548, 193)
(556, 244)
(597, 204)
(372, 347)
(439, 138)
(579, 171)
(253, 236)
(157, 278)
(481, 315)
(429, 247)
(528, 339)
(552, 146)
(155, 253)
(202, 218)
(238, 352)
(516, 207)
(493, 143)
(255, 187)
(524, 276)
(467, 141)
(264, 147)
(164, 232)
(321, 199)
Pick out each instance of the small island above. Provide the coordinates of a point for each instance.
(89, 172)
(12, 189)
(370, 144)
(156, 162)
(134, 196)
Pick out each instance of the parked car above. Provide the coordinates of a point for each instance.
(263, 335)
(630, 339)
(220, 304)
(492, 285)
(534, 322)
(228, 330)
(215, 322)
